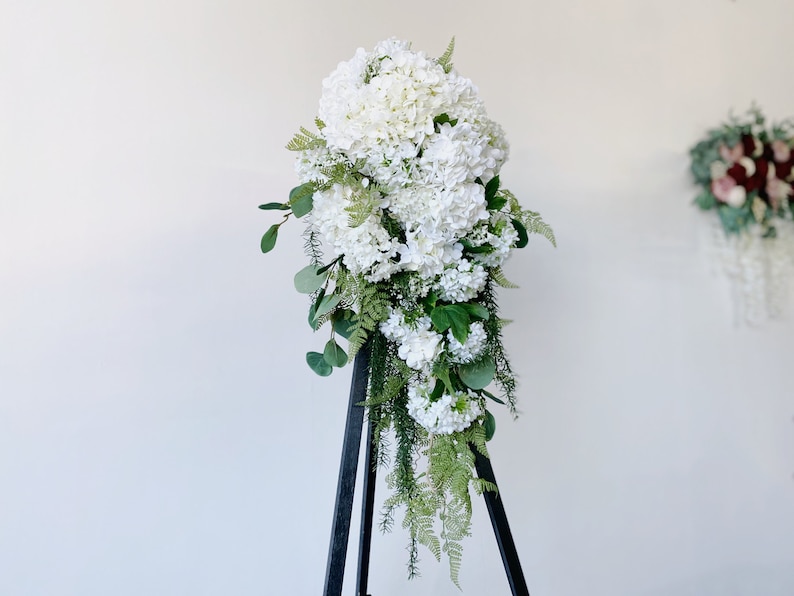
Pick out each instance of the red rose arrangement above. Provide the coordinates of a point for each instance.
(746, 170)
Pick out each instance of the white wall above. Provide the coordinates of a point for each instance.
(160, 433)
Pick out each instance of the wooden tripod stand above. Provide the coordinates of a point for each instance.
(340, 531)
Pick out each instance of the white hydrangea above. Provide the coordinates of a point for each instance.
(461, 282)
(471, 348)
(367, 248)
(499, 233)
(417, 344)
(448, 414)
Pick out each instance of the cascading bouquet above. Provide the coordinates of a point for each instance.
(401, 185)
(746, 170)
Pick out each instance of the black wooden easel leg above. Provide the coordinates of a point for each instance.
(367, 512)
(504, 538)
(340, 531)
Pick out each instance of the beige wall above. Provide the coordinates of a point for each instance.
(160, 433)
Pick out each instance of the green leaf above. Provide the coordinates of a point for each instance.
(477, 311)
(438, 390)
(496, 203)
(706, 200)
(314, 318)
(302, 206)
(523, 237)
(478, 374)
(300, 199)
(344, 320)
(328, 303)
(492, 396)
(444, 119)
(491, 188)
(334, 355)
(301, 191)
(309, 279)
(452, 316)
(489, 424)
(269, 239)
(317, 363)
(459, 321)
(440, 318)
(274, 206)
(325, 268)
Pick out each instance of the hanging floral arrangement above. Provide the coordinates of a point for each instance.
(746, 169)
(408, 226)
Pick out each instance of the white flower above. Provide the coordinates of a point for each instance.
(748, 164)
(448, 414)
(420, 346)
(718, 169)
(367, 248)
(737, 196)
(461, 282)
(471, 348)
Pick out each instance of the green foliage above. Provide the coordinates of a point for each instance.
(499, 277)
(735, 219)
(452, 316)
(305, 140)
(274, 206)
(478, 374)
(706, 200)
(309, 279)
(300, 199)
(372, 301)
(445, 61)
(523, 237)
(334, 355)
(317, 363)
(269, 239)
(489, 425)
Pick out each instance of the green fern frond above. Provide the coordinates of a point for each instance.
(362, 205)
(534, 224)
(499, 277)
(446, 57)
(372, 309)
(319, 123)
(304, 140)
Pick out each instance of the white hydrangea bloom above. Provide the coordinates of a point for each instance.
(421, 345)
(448, 414)
(417, 343)
(366, 248)
(471, 348)
(462, 282)
(501, 234)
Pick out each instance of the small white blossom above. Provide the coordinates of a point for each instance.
(448, 414)
(471, 348)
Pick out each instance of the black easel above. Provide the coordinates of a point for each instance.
(340, 531)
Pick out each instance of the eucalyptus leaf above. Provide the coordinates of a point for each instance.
(343, 320)
(301, 191)
(478, 374)
(302, 206)
(317, 363)
(274, 206)
(269, 239)
(334, 355)
(309, 279)
(489, 424)
(492, 396)
(523, 237)
(328, 303)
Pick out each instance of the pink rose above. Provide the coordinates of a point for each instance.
(721, 188)
(781, 151)
(778, 191)
(731, 154)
